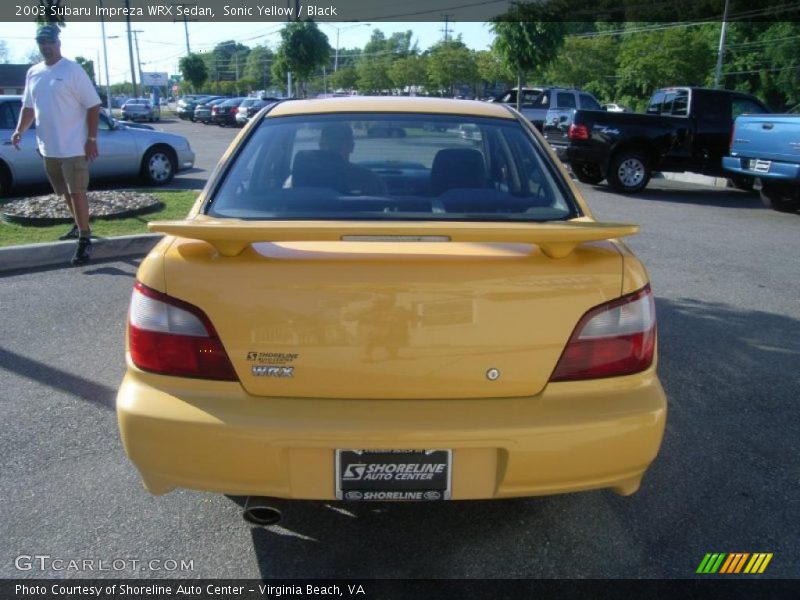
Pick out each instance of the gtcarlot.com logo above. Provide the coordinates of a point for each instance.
(734, 563)
(45, 562)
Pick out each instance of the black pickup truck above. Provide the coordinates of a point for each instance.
(684, 129)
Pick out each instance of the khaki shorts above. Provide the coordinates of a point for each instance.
(68, 174)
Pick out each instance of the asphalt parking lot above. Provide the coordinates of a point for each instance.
(727, 280)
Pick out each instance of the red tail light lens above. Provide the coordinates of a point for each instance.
(613, 339)
(578, 132)
(172, 337)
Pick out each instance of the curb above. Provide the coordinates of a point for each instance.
(696, 178)
(58, 254)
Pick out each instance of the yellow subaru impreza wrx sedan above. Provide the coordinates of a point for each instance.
(364, 304)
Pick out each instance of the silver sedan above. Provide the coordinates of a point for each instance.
(124, 152)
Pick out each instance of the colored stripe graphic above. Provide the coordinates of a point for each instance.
(734, 563)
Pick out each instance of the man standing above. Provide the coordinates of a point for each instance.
(60, 97)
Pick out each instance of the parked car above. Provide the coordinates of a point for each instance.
(685, 129)
(202, 112)
(119, 123)
(537, 101)
(124, 152)
(451, 337)
(248, 109)
(186, 105)
(767, 147)
(141, 109)
(611, 107)
(225, 113)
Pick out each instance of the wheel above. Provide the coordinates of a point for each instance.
(780, 196)
(742, 182)
(629, 171)
(590, 174)
(158, 166)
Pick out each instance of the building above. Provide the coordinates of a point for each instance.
(12, 78)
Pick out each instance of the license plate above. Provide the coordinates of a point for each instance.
(760, 166)
(393, 475)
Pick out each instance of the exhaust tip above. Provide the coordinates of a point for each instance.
(258, 512)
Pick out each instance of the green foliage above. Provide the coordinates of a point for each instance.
(257, 67)
(528, 39)
(88, 66)
(675, 56)
(410, 71)
(303, 50)
(492, 69)
(193, 69)
(450, 63)
(376, 60)
(588, 63)
(344, 79)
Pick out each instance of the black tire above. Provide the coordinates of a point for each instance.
(5, 181)
(780, 196)
(629, 171)
(590, 174)
(159, 165)
(742, 182)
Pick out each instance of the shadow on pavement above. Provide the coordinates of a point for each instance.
(684, 194)
(59, 380)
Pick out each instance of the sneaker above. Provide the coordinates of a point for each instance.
(83, 252)
(72, 234)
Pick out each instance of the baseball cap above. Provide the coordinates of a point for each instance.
(47, 34)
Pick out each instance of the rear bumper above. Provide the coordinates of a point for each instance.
(777, 170)
(213, 436)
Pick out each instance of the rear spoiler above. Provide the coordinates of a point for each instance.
(230, 236)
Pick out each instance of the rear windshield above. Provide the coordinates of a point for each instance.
(392, 167)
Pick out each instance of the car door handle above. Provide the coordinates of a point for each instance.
(767, 126)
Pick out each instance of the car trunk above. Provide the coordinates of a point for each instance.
(402, 319)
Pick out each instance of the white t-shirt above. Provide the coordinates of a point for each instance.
(60, 95)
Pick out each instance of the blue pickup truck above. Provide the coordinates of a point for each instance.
(767, 147)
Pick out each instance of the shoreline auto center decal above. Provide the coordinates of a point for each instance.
(393, 474)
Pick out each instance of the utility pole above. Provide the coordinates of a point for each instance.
(130, 49)
(138, 56)
(721, 51)
(185, 25)
(105, 61)
(446, 27)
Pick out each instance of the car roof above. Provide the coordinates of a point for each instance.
(391, 104)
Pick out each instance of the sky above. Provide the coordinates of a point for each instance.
(161, 45)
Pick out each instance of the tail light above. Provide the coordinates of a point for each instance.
(234, 109)
(578, 132)
(172, 337)
(613, 339)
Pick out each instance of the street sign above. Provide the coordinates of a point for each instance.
(151, 79)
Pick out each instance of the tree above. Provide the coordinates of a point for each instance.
(589, 63)
(492, 69)
(193, 69)
(377, 57)
(685, 56)
(526, 43)
(3, 52)
(411, 71)
(303, 50)
(48, 16)
(257, 67)
(88, 66)
(33, 56)
(450, 63)
(344, 79)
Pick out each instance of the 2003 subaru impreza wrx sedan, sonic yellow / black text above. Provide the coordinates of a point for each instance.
(409, 316)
